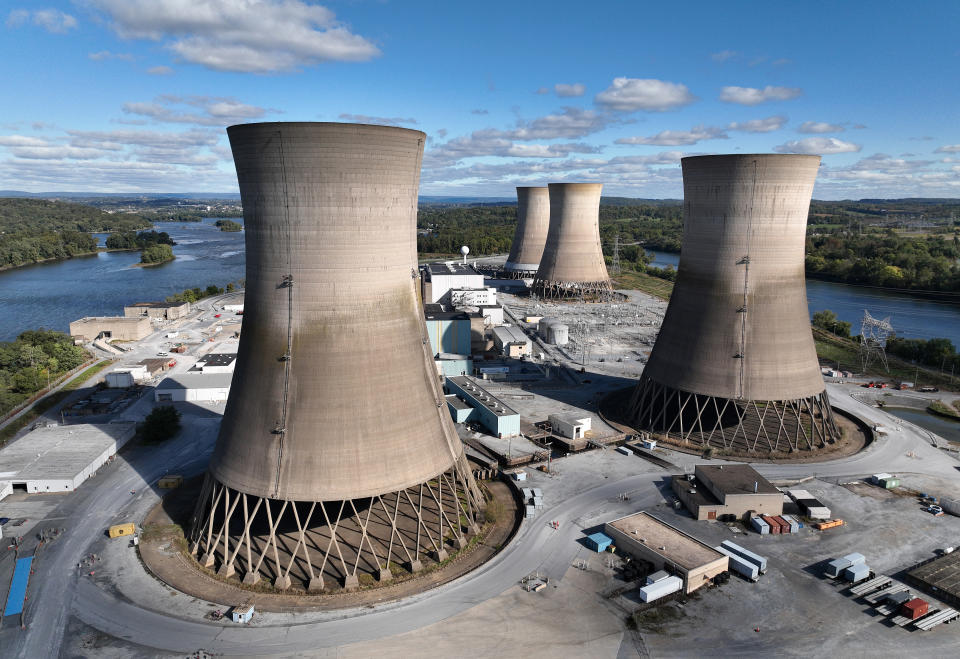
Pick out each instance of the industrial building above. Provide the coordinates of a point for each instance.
(572, 264)
(127, 376)
(193, 387)
(571, 426)
(647, 538)
(713, 491)
(215, 362)
(530, 237)
(488, 410)
(437, 279)
(117, 328)
(448, 331)
(940, 577)
(512, 341)
(335, 439)
(157, 366)
(734, 365)
(159, 310)
(452, 364)
(473, 297)
(60, 458)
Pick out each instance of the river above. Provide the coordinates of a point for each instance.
(51, 295)
(910, 316)
(946, 428)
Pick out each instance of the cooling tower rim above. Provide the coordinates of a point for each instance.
(317, 124)
(532, 187)
(751, 156)
(573, 186)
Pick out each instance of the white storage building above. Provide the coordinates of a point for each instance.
(193, 387)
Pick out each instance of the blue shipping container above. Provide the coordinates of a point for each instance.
(760, 526)
(599, 541)
(743, 552)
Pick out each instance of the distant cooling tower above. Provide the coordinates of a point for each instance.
(533, 222)
(572, 264)
(734, 365)
(337, 455)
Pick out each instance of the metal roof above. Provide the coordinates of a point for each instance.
(196, 381)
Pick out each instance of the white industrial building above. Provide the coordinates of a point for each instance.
(438, 278)
(511, 341)
(193, 387)
(570, 425)
(127, 376)
(474, 297)
(215, 362)
(60, 458)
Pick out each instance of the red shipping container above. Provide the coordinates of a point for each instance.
(784, 524)
(774, 525)
(915, 608)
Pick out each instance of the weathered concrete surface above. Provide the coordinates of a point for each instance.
(533, 223)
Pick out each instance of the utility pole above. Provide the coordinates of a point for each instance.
(615, 264)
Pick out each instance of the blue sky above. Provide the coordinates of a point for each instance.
(133, 95)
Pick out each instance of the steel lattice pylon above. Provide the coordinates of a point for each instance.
(873, 340)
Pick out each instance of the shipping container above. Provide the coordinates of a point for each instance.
(659, 575)
(898, 599)
(599, 541)
(774, 525)
(856, 573)
(855, 558)
(784, 524)
(876, 478)
(951, 506)
(818, 512)
(740, 565)
(792, 521)
(797, 495)
(660, 589)
(836, 567)
(915, 608)
(760, 526)
(118, 530)
(829, 524)
(743, 552)
(890, 483)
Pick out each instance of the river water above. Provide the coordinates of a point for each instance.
(946, 428)
(911, 317)
(51, 295)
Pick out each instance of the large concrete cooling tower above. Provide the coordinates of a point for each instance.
(734, 365)
(533, 222)
(337, 455)
(572, 263)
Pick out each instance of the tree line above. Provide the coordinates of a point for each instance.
(194, 294)
(30, 362)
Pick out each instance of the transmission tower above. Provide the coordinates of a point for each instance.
(873, 340)
(615, 265)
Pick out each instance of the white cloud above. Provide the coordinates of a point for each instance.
(818, 146)
(384, 121)
(106, 54)
(213, 110)
(678, 137)
(948, 148)
(820, 127)
(632, 94)
(21, 141)
(753, 96)
(160, 70)
(767, 125)
(51, 20)
(251, 36)
(723, 55)
(567, 91)
(542, 91)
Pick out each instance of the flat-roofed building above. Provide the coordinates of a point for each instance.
(728, 489)
(491, 412)
(511, 341)
(161, 310)
(645, 537)
(117, 328)
(571, 426)
(438, 278)
(215, 362)
(190, 387)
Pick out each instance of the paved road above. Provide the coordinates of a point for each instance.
(538, 547)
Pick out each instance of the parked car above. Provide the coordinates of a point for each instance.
(936, 511)
(163, 354)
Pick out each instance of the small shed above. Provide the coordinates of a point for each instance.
(242, 613)
(599, 541)
(915, 608)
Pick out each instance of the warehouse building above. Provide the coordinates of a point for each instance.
(448, 331)
(488, 410)
(158, 365)
(193, 387)
(215, 362)
(647, 538)
(511, 341)
(941, 577)
(60, 458)
(732, 489)
(118, 328)
(571, 426)
(126, 376)
(436, 280)
(159, 310)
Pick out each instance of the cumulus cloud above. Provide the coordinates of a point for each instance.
(820, 127)
(948, 148)
(767, 125)
(160, 71)
(567, 91)
(678, 137)
(383, 121)
(250, 36)
(51, 20)
(106, 54)
(201, 110)
(632, 94)
(818, 146)
(21, 141)
(723, 55)
(754, 96)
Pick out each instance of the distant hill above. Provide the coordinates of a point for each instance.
(22, 215)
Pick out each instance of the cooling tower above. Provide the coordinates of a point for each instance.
(734, 365)
(336, 455)
(533, 222)
(572, 263)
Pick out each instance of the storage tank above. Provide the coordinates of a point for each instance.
(533, 223)
(734, 365)
(336, 428)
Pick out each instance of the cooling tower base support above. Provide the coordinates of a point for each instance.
(600, 291)
(772, 426)
(313, 544)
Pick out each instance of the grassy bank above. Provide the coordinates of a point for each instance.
(639, 281)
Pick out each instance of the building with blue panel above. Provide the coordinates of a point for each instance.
(488, 410)
(449, 331)
(599, 541)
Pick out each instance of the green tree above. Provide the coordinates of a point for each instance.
(158, 253)
(161, 424)
(827, 320)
